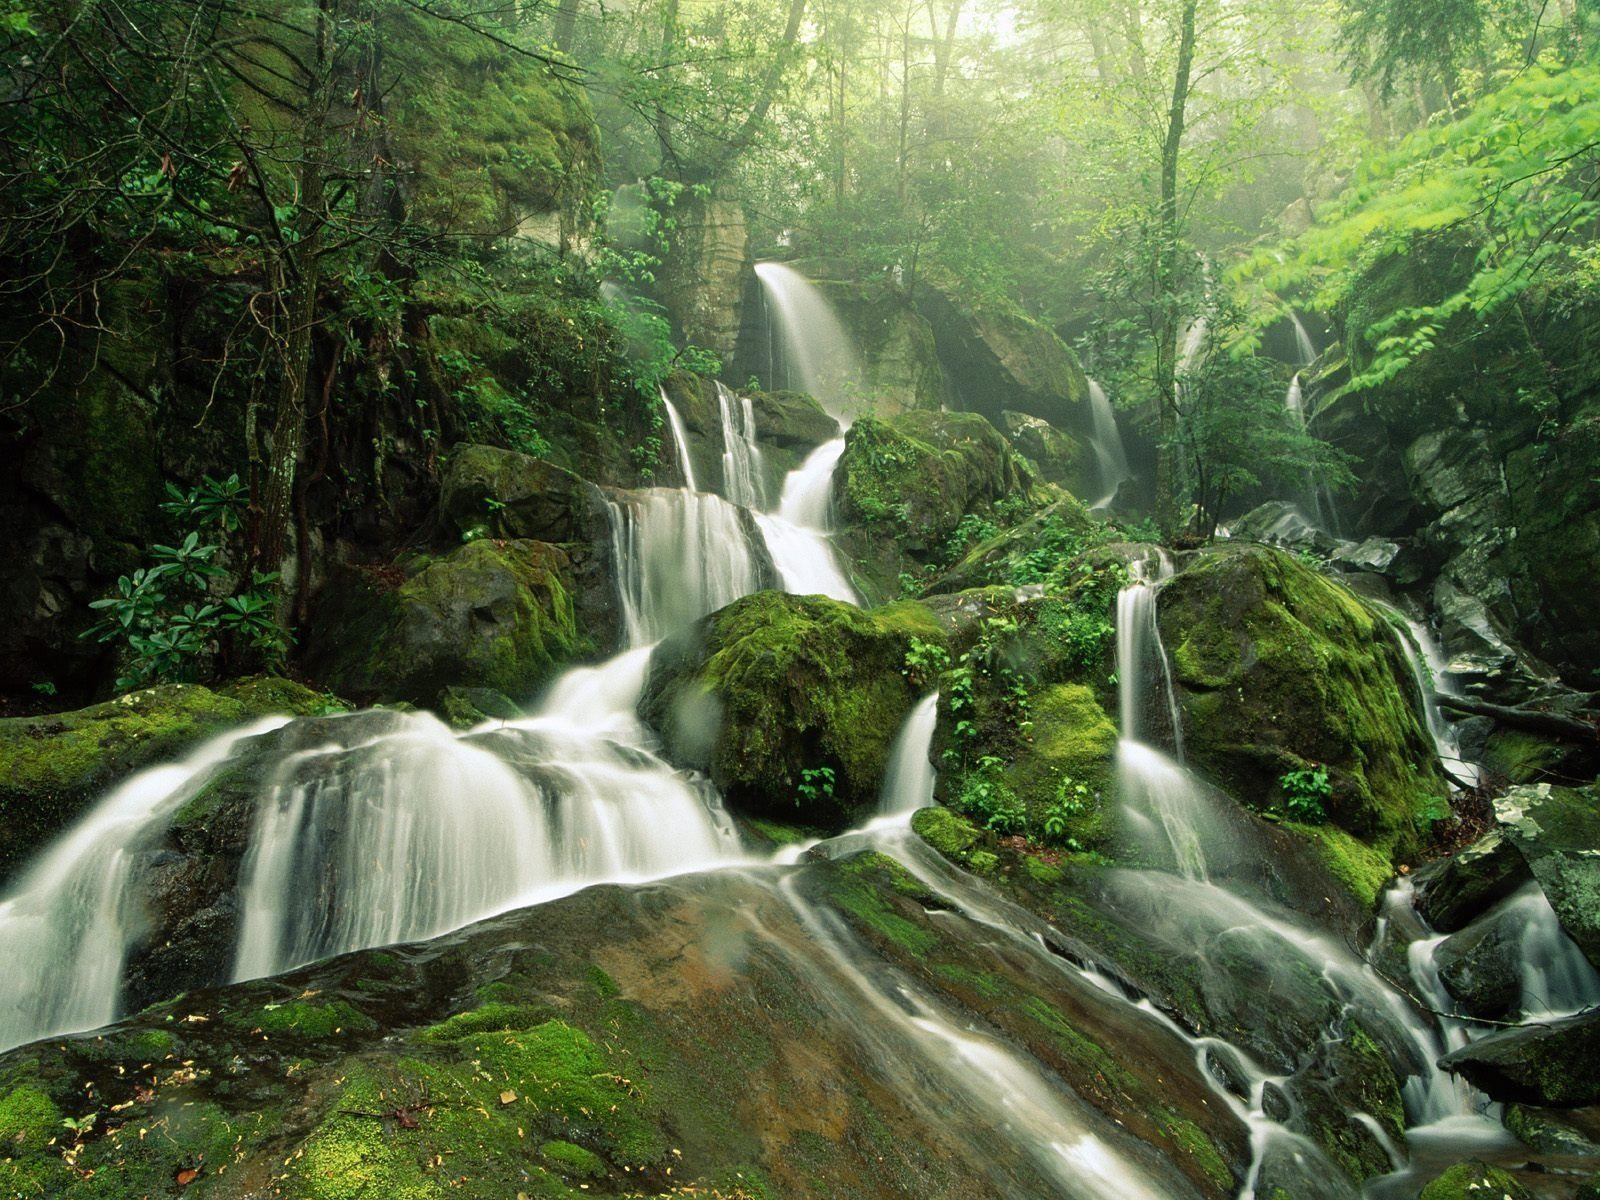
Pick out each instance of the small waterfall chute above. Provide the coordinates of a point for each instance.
(743, 481)
(1111, 458)
(798, 533)
(818, 356)
(680, 439)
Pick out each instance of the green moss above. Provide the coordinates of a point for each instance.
(1280, 669)
(1363, 870)
(603, 984)
(28, 1120)
(800, 683)
(305, 1018)
(862, 888)
(495, 1016)
(572, 1162)
(1075, 741)
(1474, 1181)
(947, 831)
(1042, 872)
(982, 862)
(1199, 1147)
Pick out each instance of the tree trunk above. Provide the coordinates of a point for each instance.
(1168, 229)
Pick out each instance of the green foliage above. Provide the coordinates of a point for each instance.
(816, 785)
(989, 799)
(168, 619)
(1306, 794)
(1073, 800)
(1513, 177)
(925, 662)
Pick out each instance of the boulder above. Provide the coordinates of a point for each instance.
(489, 614)
(1468, 884)
(1557, 831)
(1474, 1181)
(1279, 669)
(53, 767)
(1000, 359)
(1550, 1064)
(1481, 967)
(1057, 457)
(490, 491)
(903, 486)
(789, 702)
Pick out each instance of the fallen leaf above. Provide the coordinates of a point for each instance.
(508, 1097)
(187, 1176)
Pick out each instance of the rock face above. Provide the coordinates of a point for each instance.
(1484, 451)
(1057, 457)
(489, 490)
(1001, 359)
(789, 702)
(1451, 894)
(491, 614)
(704, 276)
(1279, 669)
(1549, 1064)
(52, 767)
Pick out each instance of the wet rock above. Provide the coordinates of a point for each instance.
(1058, 457)
(1481, 966)
(1466, 885)
(52, 767)
(1557, 830)
(703, 276)
(1279, 669)
(489, 614)
(790, 702)
(465, 707)
(1550, 1064)
(1281, 523)
(1545, 1131)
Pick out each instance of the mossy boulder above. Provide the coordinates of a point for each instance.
(1481, 966)
(491, 491)
(1474, 1181)
(1000, 358)
(1279, 669)
(1067, 762)
(1557, 832)
(903, 486)
(1057, 456)
(790, 702)
(52, 767)
(489, 614)
(1549, 1064)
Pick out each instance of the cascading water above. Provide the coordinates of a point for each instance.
(68, 924)
(1305, 348)
(797, 535)
(1106, 441)
(1431, 672)
(680, 440)
(817, 354)
(679, 556)
(743, 481)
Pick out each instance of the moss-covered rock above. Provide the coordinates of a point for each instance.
(489, 614)
(1279, 669)
(1474, 1181)
(902, 487)
(790, 702)
(1557, 832)
(1452, 893)
(1066, 765)
(51, 767)
(498, 492)
(1002, 359)
(1550, 1064)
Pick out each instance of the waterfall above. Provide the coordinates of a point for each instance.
(1431, 673)
(818, 356)
(908, 781)
(1295, 402)
(416, 831)
(742, 479)
(681, 441)
(1304, 346)
(1106, 441)
(679, 556)
(69, 922)
(797, 535)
